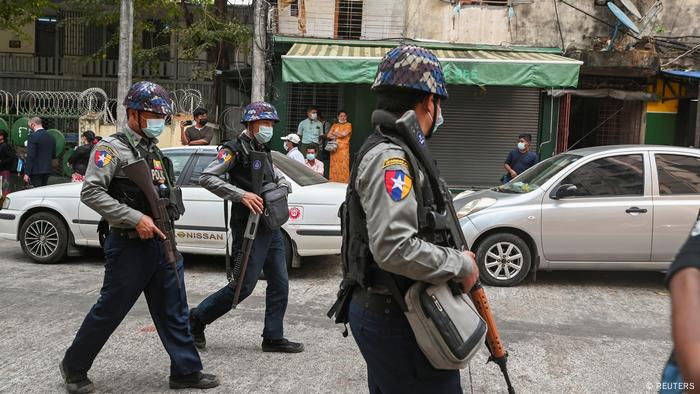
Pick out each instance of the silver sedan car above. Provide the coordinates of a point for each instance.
(604, 208)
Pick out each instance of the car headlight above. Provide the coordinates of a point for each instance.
(475, 206)
(6, 203)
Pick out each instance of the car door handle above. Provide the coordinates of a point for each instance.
(636, 210)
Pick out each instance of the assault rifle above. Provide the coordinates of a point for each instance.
(258, 162)
(140, 173)
(447, 223)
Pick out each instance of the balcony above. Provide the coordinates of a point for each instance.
(29, 64)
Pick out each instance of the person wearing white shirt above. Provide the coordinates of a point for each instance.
(311, 162)
(291, 145)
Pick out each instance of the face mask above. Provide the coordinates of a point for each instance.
(264, 134)
(440, 120)
(521, 145)
(154, 127)
(286, 147)
(311, 156)
(203, 122)
(314, 116)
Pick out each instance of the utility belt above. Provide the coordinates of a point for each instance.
(379, 303)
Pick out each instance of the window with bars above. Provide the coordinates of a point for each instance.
(326, 97)
(348, 19)
(157, 37)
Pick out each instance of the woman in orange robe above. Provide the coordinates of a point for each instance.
(340, 159)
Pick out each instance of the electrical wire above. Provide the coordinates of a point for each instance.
(561, 36)
(595, 128)
(681, 56)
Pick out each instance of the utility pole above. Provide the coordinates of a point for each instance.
(259, 45)
(126, 50)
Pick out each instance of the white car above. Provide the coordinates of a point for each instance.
(51, 222)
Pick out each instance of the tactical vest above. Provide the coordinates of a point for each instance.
(359, 266)
(126, 191)
(240, 174)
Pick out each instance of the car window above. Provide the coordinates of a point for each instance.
(200, 165)
(301, 174)
(179, 160)
(609, 177)
(537, 175)
(678, 174)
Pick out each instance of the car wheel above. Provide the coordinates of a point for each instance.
(288, 250)
(44, 238)
(504, 259)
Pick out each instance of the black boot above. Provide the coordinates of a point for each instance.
(281, 346)
(196, 380)
(197, 330)
(76, 382)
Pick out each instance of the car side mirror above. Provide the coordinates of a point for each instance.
(562, 191)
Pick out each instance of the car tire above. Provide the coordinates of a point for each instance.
(44, 238)
(504, 259)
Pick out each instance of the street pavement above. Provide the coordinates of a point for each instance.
(569, 332)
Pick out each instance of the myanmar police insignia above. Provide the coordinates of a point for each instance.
(397, 183)
(224, 156)
(103, 157)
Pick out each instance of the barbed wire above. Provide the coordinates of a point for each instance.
(5, 102)
(187, 100)
(92, 102)
(230, 119)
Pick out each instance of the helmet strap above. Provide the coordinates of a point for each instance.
(433, 117)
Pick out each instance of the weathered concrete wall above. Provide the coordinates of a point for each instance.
(26, 43)
(535, 23)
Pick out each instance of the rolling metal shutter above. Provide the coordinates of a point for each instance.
(481, 127)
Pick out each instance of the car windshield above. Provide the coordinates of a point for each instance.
(301, 174)
(536, 176)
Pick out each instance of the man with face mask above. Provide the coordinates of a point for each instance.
(199, 133)
(268, 253)
(135, 255)
(310, 130)
(519, 159)
(313, 162)
(291, 145)
(387, 243)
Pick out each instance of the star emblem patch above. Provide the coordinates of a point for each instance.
(398, 184)
(102, 158)
(224, 156)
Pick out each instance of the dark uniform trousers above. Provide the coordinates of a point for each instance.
(268, 256)
(134, 266)
(395, 363)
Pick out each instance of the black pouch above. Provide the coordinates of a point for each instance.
(276, 211)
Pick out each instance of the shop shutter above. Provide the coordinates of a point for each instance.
(481, 127)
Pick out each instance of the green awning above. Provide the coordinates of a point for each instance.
(320, 63)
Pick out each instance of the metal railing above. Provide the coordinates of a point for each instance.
(20, 63)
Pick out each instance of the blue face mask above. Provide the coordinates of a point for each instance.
(264, 134)
(311, 156)
(154, 127)
(440, 120)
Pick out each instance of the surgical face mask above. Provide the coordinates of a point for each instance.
(264, 134)
(286, 147)
(314, 116)
(521, 145)
(154, 127)
(440, 120)
(311, 156)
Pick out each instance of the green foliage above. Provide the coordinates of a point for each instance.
(16, 14)
(199, 26)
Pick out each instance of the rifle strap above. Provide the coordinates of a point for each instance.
(229, 272)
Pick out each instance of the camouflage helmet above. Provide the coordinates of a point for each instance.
(411, 67)
(148, 96)
(259, 110)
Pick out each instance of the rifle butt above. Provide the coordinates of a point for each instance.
(481, 303)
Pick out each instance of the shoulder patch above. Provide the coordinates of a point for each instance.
(224, 156)
(395, 161)
(104, 154)
(398, 184)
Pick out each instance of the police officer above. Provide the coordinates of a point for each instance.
(268, 253)
(387, 243)
(134, 250)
